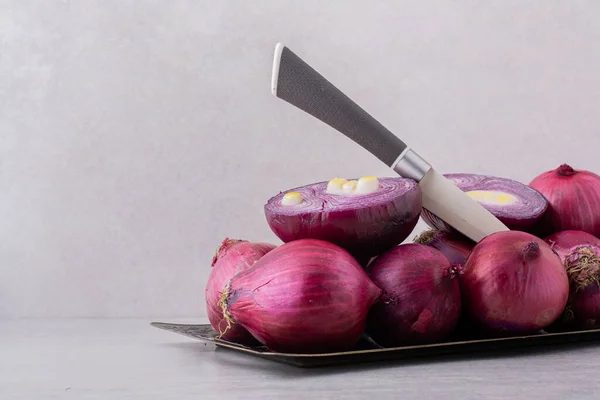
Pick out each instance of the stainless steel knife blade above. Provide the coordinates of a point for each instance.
(297, 83)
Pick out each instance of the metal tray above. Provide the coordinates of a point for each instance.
(367, 351)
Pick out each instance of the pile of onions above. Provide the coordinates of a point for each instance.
(343, 272)
(454, 245)
(580, 253)
(232, 257)
(574, 200)
(305, 296)
(365, 216)
(514, 283)
(517, 205)
(421, 300)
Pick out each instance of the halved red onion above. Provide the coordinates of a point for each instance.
(517, 205)
(306, 296)
(580, 253)
(514, 283)
(232, 257)
(454, 245)
(574, 200)
(371, 216)
(421, 301)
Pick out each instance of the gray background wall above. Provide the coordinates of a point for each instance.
(136, 135)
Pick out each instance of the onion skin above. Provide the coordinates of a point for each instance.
(580, 253)
(306, 296)
(514, 283)
(455, 246)
(521, 216)
(232, 257)
(574, 200)
(421, 302)
(364, 225)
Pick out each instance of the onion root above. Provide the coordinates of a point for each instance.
(583, 267)
(222, 304)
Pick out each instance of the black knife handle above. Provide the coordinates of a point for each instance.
(300, 85)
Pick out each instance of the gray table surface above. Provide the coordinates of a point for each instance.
(127, 359)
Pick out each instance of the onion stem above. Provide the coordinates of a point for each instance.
(566, 170)
(531, 251)
(226, 243)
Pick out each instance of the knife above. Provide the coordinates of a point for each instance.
(295, 82)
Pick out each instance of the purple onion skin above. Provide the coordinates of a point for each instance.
(232, 257)
(306, 296)
(579, 252)
(585, 308)
(364, 225)
(421, 300)
(514, 283)
(455, 246)
(533, 203)
(574, 200)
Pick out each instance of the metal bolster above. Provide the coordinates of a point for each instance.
(411, 165)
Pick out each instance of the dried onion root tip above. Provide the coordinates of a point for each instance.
(227, 317)
(573, 196)
(454, 245)
(579, 252)
(365, 216)
(517, 205)
(233, 256)
(583, 267)
(427, 236)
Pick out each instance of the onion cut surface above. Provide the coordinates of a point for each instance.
(365, 220)
(517, 205)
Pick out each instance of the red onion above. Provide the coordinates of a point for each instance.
(514, 283)
(421, 302)
(306, 296)
(517, 205)
(375, 216)
(580, 253)
(574, 200)
(232, 257)
(455, 246)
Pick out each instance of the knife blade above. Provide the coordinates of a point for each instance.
(297, 83)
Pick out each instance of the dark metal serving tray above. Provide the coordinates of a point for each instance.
(367, 351)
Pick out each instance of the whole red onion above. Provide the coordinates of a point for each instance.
(517, 205)
(514, 283)
(580, 253)
(574, 200)
(365, 222)
(421, 300)
(232, 257)
(306, 296)
(455, 246)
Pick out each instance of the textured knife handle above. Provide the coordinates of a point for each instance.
(300, 85)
